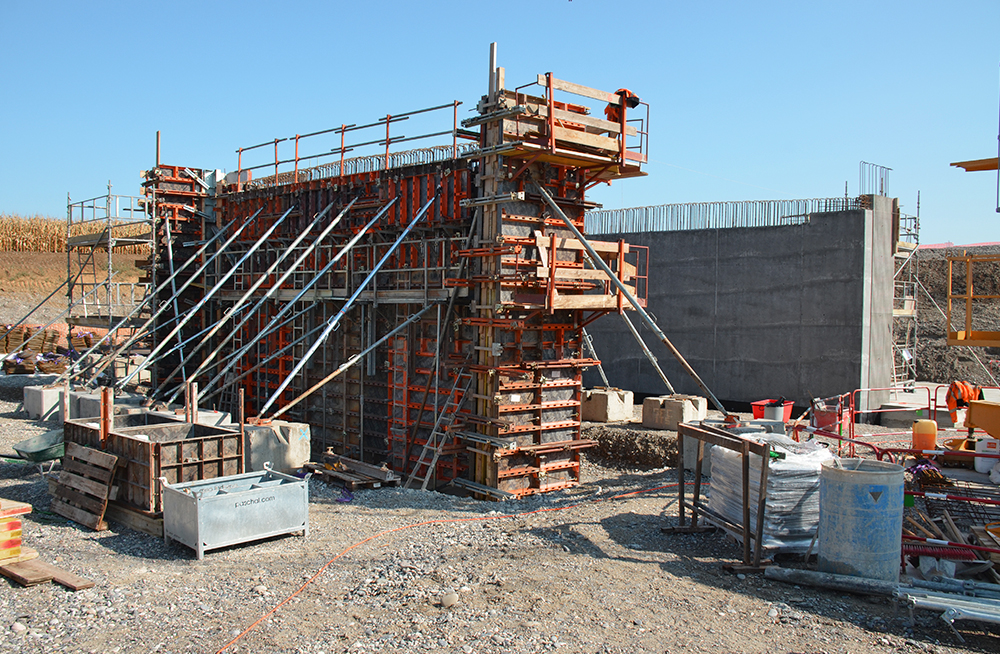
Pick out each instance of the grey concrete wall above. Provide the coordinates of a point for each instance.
(797, 311)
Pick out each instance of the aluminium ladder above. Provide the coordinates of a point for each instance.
(438, 436)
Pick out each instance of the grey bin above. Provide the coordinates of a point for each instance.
(212, 513)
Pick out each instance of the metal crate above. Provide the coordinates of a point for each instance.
(210, 514)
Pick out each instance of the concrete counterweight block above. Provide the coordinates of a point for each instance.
(286, 445)
(668, 411)
(606, 405)
(43, 402)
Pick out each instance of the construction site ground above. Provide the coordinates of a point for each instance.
(587, 570)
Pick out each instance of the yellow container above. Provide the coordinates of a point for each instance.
(924, 435)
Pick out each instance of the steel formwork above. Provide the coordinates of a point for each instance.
(465, 273)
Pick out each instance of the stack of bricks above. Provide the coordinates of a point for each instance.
(10, 530)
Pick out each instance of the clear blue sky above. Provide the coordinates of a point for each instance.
(749, 100)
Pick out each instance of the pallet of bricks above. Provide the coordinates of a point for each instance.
(32, 350)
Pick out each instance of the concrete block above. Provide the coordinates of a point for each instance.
(84, 404)
(43, 403)
(287, 445)
(691, 456)
(668, 411)
(606, 405)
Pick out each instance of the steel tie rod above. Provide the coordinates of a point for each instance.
(149, 321)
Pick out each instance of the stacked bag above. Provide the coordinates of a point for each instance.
(791, 512)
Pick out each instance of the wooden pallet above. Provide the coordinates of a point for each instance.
(352, 474)
(82, 490)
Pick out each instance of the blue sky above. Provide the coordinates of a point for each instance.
(749, 100)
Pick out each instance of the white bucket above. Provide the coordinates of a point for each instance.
(988, 446)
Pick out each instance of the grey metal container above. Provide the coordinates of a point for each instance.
(213, 513)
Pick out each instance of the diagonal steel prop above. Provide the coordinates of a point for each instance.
(194, 311)
(141, 330)
(649, 354)
(269, 357)
(352, 360)
(335, 320)
(267, 295)
(173, 284)
(305, 289)
(646, 318)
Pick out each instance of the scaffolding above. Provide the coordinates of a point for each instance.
(99, 232)
(423, 309)
(904, 303)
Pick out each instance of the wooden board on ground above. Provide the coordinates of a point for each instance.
(32, 573)
(134, 519)
(27, 573)
(82, 489)
(350, 479)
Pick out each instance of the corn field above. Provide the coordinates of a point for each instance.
(45, 234)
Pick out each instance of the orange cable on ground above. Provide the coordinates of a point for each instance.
(422, 524)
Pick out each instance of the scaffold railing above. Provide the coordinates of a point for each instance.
(361, 137)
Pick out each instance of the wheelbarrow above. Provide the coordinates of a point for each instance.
(44, 448)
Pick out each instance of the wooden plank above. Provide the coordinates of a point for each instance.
(10, 508)
(573, 273)
(77, 515)
(68, 579)
(88, 471)
(135, 520)
(90, 455)
(27, 573)
(82, 484)
(574, 244)
(588, 302)
(586, 139)
(26, 554)
(542, 111)
(8, 525)
(372, 471)
(580, 89)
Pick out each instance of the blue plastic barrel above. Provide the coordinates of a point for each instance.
(860, 518)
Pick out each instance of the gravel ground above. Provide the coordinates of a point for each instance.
(582, 571)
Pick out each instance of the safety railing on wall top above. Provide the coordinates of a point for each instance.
(338, 141)
(714, 215)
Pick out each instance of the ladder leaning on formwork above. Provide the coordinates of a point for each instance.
(438, 436)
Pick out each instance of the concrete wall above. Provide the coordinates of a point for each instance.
(797, 311)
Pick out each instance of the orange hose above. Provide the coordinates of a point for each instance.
(421, 524)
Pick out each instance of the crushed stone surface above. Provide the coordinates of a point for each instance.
(586, 570)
